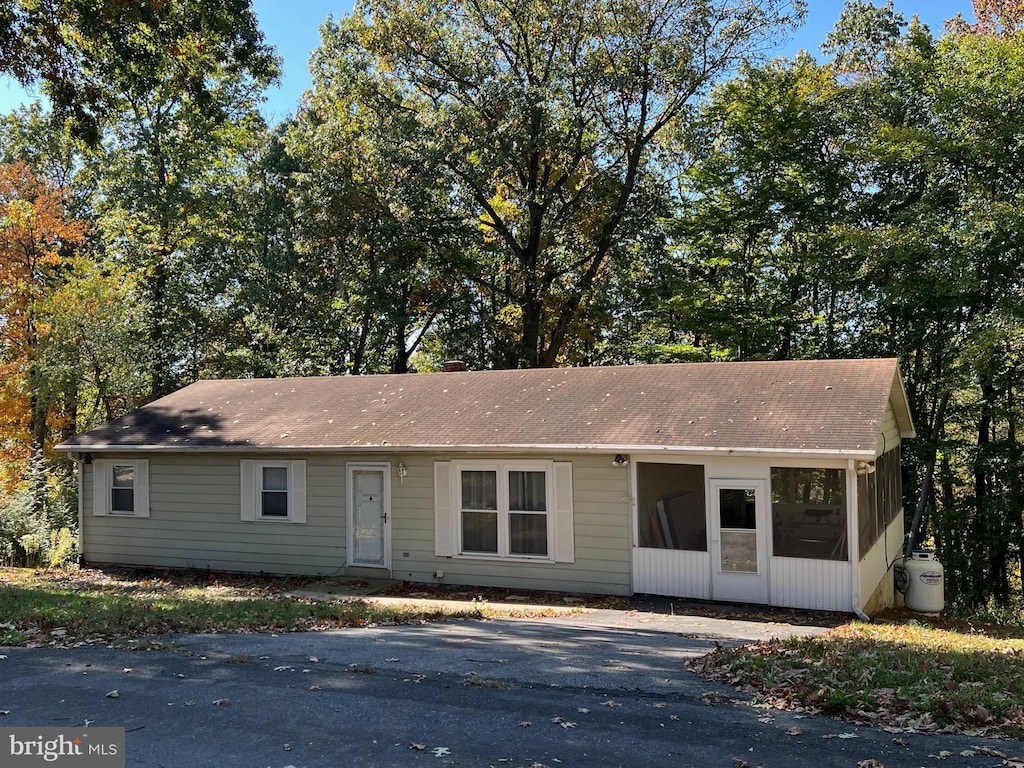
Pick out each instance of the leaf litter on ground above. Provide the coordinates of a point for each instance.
(941, 676)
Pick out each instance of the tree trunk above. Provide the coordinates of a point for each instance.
(929, 472)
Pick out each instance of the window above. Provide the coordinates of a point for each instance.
(517, 510)
(122, 491)
(274, 490)
(479, 511)
(504, 511)
(809, 513)
(121, 487)
(528, 513)
(670, 506)
(879, 498)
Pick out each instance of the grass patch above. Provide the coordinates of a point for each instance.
(942, 676)
(57, 608)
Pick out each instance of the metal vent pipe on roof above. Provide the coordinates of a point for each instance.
(454, 366)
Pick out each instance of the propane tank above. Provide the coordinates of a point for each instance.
(925, 589)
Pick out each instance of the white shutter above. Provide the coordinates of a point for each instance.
(100, 487)
(248, 489)
(565, 546)
(141, 487)
(297, 491)
(444, 514)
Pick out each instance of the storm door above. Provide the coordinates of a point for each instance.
(369, 514)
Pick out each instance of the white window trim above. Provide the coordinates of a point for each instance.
(558, 491)
(103, 481)
(252, 487)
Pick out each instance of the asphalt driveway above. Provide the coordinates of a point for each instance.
(600, 689)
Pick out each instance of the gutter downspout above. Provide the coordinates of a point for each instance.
(80, 466)
(853, 524)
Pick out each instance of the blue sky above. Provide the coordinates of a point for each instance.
(293, 28)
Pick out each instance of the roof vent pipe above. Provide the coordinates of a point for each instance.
(454, 366)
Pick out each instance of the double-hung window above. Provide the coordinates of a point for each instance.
(516, 510)
(504, 509)
(528, 518)
(121, 487)
(274, 490)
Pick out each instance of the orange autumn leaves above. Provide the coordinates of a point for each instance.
(38, 240)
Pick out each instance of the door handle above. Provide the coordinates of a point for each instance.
(384, 517)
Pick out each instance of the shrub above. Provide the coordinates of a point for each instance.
(38, 522)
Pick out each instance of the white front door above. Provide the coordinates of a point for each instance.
(369, 515)
(739, 540)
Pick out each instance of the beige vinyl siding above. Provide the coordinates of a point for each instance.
(890, 434)
(601, 526)
(195, 521)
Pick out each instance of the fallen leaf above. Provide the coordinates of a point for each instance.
(112, 694)
(870, 763)
(557, 719)
(1014, 762)
(740, 763)
(659, 705)
(4, 712)
(989, 751)
(525, 724)
(942, 755)
(610, 703)
(794, 731)
(313, 688)
(567, 724)
(313, 659)
(126, 670)
(287, 747)
(189, 704)
(221, 702)
(440, 751)
(673, 717)
(392, 660)
(283, 668)
(847, 735)
(900, 741)
(419, 747)
(584, 710)
(968, 753)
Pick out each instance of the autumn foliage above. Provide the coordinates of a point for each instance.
(37, 240)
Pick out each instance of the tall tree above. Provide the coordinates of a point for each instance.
(548, 119)
(36, 239)
(169, 153)
(763, 269)
(88, 53)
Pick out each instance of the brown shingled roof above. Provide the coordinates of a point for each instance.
(807, 406)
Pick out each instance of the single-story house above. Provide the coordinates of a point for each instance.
(760, 482)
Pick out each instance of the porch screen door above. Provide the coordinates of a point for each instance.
(739, 536)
